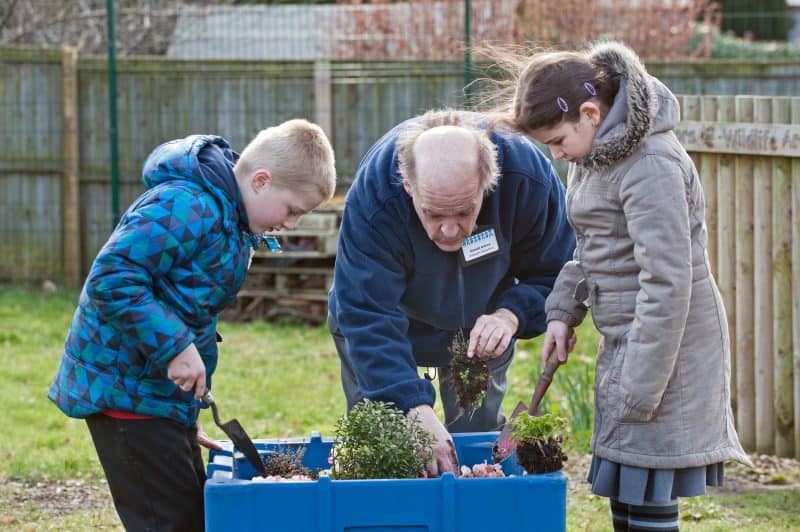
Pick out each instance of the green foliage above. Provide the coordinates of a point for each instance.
(279, 381)
(573, 399)
(766, 19)
(529, 429)
(375, 440)
(725, 512)
(730, 47)
(698, 509)
(266, 374)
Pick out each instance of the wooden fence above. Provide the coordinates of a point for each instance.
(54, 127)
(54, 144)
(747, 150)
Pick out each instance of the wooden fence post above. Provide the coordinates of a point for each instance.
(762, 284)
(726, 237)
(323, 110)
(782, 290)
(690, 110)
(796, 283)
(745, 378)
(70, 183)
(709, 161)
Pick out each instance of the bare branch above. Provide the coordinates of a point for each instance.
(7, 14)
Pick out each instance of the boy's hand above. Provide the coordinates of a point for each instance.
(204, 440)
(188, 372)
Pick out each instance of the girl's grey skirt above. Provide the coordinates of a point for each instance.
(640, 485)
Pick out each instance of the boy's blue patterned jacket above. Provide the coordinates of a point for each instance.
(177, 258)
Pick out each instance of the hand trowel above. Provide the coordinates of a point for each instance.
(505, 444)
(234, 430)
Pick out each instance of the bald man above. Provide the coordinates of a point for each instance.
(446, 226)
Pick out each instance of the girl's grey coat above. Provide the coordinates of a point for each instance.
(662, 382)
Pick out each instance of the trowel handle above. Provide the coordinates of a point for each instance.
(543, 383)
(208, 398)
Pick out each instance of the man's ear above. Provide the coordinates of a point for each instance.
(407, 186)
(261, 179)
(592, 111)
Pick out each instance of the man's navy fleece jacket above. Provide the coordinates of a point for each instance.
(396, 297)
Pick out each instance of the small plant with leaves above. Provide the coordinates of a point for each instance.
(539, 442)
(470, 375)
(375, 440)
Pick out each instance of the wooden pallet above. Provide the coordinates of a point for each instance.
(295, 282)
(316, 235)
(287, 281)
(261, 307)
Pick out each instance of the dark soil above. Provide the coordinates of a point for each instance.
(470, 375)
(540, 456)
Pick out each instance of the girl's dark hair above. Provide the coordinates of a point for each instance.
(551, 87)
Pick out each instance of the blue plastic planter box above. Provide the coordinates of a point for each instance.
(447, 504)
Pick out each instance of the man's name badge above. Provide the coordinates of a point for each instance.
(480, 245)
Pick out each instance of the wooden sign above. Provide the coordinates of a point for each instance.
(780, 140)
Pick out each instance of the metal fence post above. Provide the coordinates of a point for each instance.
(467, 55)
(112, 113)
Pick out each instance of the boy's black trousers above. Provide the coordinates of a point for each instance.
(154, 469)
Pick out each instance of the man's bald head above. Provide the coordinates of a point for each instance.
(443, 148)
(447, 155)
(447, 166)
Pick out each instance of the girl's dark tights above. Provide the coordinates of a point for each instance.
(645, 518)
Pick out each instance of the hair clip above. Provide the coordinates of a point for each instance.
(589, 88)
(562, 104)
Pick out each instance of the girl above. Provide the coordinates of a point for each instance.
(663, 422)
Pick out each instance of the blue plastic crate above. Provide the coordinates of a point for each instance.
(446, 504)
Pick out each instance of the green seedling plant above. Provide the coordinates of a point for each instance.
(539, 442)
(375, 440)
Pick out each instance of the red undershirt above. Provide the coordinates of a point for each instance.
(119, 414)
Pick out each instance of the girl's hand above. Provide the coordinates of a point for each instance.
(559, 337)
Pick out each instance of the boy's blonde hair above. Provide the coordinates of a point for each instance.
(297, 154)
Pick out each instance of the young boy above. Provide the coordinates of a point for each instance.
(143, 343)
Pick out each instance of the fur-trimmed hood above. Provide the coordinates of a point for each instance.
(642, 106)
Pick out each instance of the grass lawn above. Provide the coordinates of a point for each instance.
(278, 380)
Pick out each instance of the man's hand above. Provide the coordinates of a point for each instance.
(559, 337)
(204, 440)
(188, 371)
(492, 333)
(444, 451)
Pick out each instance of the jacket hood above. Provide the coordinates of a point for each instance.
(205, 160)
(642, 106)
